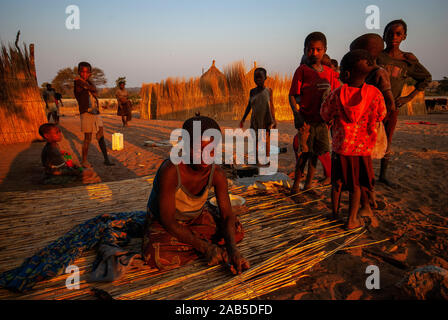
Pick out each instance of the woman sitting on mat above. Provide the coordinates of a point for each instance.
(178, 225)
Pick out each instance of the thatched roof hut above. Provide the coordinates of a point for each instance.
(213, 82)
(22, 109)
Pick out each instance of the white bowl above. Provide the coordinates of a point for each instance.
(235, 201)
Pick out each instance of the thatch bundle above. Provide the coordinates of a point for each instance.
(22, 109)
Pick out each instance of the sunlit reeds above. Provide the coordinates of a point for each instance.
(221, 95)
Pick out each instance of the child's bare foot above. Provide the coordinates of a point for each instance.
(325, 181)
(307, 187)
(85, 164)
(354, 223)
(367, 212)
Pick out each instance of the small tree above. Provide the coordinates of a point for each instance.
(63, 82)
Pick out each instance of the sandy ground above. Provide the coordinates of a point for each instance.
(415, 218)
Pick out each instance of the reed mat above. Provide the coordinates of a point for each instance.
(283, 240)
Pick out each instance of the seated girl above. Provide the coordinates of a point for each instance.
(178, 226)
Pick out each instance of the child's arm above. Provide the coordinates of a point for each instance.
(328, 108)
(81, 85)
(246, 112)
(420, 74)
(271, 104)
(238, 263)
(168, 184)
(293, 92)
(380, 108)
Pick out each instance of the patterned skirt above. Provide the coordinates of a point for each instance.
(162, 250)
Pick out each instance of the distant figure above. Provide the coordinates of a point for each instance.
(59, 168)
(124, 104)
(311, 82)
(354, 108)
(400, 65)
(51, 104)
(91, 122)
(262, 106)
(58, 98)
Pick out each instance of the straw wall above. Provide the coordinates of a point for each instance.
(22, 109)
(416, 106)
(221, 96)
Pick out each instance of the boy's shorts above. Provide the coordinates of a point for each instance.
(90, 123)
(318, 140)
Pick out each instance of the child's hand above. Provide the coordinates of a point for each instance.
(274, 124)
(215, 255)
(402, 101)
(237, 263)
(241, 124)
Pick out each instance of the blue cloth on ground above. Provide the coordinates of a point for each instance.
(109, 229)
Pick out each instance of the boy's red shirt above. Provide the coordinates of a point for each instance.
(355, 112)
(310, 85)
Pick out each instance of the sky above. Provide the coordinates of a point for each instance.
(148, 41)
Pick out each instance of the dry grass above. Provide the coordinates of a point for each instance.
(223, 96)
(22, 109)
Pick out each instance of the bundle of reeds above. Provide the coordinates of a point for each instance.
(282, 241)
(22, 109)
(223, 96)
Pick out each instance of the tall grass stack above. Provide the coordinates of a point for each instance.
(220, 95)
(22, 109)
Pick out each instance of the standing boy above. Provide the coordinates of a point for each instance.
(91, 122)
(311, 80)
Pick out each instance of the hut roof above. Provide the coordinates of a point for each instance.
(212, 72)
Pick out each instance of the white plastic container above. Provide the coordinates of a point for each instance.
(117, 141)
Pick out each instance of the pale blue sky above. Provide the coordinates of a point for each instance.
(148, 41)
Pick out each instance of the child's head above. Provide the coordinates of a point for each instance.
(122, 84)
(315, 47)
(84, 70)
(355, 66)
(260, 76)
(326, 60)
(371, 42)
(50, 132)
(334, 64)
(395, 32)
(206, 123)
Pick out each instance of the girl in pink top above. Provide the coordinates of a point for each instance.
(355, 108)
